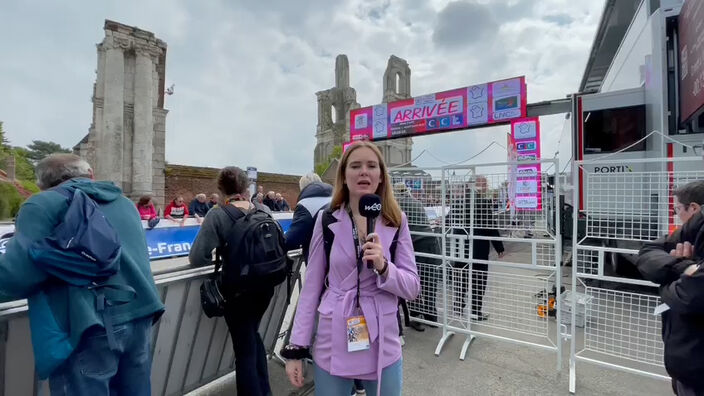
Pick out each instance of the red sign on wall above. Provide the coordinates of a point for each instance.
(691, 36)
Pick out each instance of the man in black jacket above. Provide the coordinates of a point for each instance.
(484, 225)
(674, 262)
(315, 195)
(418, 222)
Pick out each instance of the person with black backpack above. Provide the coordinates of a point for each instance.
(249, 244)
(79, 255)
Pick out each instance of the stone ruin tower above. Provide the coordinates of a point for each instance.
(335, 104)
(397, 86)
(334, 107)
(126, 140)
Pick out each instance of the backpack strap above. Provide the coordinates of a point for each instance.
(63, 191)
(233, 212)
(392, 248)
(328, 238)
(109, 295)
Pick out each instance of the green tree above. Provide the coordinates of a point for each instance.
(24, 169)
(4, 143)
(40, 149)
(321, 167)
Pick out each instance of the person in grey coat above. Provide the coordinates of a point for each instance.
(243, 311)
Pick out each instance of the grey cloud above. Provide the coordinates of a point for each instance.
(560, 19)
(508, 11)
(378, 12)
(461, 24)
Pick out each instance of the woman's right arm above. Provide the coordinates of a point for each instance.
(316, 270)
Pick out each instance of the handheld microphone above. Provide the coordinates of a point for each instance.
(370, 207)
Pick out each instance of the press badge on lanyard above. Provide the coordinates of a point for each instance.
(357, 331)
(357, 334)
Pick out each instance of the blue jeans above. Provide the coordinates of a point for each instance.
(93, 369)
(332, 385)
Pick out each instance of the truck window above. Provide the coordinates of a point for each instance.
(610, 130)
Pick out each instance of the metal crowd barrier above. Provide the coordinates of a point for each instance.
(518, 295)
(189, 350)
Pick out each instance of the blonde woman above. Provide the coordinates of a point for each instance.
(349, 298)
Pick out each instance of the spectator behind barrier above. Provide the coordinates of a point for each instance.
(315, 196)
(259, 203)
(198, 207)
(214, 200)
(71, 345)
(281, 204)
(260, 190)
(176, 211)
(243, 310)
(270, 201)
(355, 300)
(145, 207)
(675, 263)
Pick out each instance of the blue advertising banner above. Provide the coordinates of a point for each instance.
(169, 240)
(176, 241)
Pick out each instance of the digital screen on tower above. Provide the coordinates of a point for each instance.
(524, 185)
(496, 102)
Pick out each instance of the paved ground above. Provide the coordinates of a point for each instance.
(492, 367)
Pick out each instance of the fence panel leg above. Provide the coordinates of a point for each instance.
(445, 336)
(573, 376)
(465, 347)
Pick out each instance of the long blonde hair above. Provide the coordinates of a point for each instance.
(390, 210)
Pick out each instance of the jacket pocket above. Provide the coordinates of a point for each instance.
(50, 342)
(327, 305)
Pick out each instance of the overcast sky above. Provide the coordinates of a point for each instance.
(246, 72)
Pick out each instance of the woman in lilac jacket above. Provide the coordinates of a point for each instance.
(344, 298)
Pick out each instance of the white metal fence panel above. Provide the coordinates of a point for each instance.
(622, 324)
(469, 209)
(628, 204)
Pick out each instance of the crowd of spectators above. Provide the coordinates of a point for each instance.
(177, 211)
(272, 200)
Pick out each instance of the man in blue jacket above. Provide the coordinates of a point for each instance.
(315, 195)
(68, 334)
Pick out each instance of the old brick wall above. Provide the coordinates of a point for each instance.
(188, 181)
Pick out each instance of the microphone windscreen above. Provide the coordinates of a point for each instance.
(370, 205)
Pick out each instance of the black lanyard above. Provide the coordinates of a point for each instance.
(358, 250)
